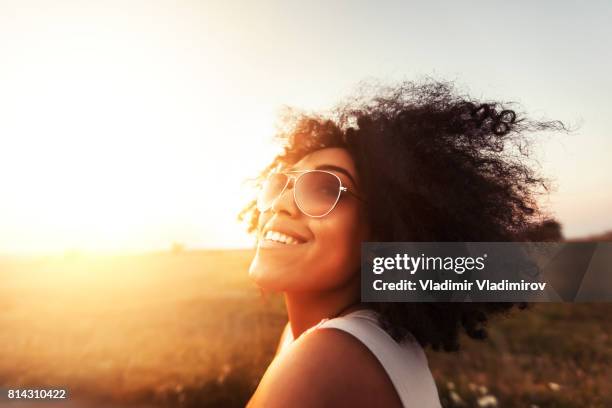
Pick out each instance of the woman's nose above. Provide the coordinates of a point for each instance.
(285, 201)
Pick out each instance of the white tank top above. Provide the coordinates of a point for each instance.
(405, 362)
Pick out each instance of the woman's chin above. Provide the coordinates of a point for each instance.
(269, 277)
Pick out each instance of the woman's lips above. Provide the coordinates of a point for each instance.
(267, 243)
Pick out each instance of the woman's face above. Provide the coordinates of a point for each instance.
(327, 256)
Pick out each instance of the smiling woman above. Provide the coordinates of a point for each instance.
(415, 162)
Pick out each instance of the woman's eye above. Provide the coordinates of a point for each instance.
(328, 190)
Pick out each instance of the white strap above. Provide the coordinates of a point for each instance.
(405, 364)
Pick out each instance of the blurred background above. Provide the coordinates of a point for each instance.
(128, 129)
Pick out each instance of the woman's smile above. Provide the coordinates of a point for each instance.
(277, 239)
(279, 235)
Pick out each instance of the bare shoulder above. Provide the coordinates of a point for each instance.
(326, 367)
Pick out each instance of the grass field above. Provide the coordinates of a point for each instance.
(189, 330)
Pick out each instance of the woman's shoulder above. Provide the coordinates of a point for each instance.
(404, 363)
(364, 325)
(326, 368)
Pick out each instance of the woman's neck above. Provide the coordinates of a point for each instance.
(306, 309)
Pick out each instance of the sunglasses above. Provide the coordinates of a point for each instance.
(315, 192)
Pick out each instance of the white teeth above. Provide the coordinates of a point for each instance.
(280, 237)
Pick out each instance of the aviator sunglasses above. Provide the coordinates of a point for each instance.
(315, 192)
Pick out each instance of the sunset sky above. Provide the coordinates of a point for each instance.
(129, 125)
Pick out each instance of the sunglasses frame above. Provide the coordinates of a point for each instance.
(291, 176)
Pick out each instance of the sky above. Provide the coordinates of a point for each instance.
(130, 125)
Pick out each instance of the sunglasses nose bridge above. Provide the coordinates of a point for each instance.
(291, 179)
(289, 185)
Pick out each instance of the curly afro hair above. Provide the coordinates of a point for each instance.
(434, 166)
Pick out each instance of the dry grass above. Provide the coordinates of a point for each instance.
(188, 329)
(552, 355)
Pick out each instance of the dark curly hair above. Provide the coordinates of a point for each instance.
(434, 166)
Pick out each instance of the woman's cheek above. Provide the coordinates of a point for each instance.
(337, 258)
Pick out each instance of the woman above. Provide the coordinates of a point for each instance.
(416, 162)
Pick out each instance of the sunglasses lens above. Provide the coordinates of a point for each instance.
(270, 190)
(317, 192)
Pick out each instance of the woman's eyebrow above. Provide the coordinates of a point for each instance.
(338, 169)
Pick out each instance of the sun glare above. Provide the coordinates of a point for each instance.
(111, 141)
